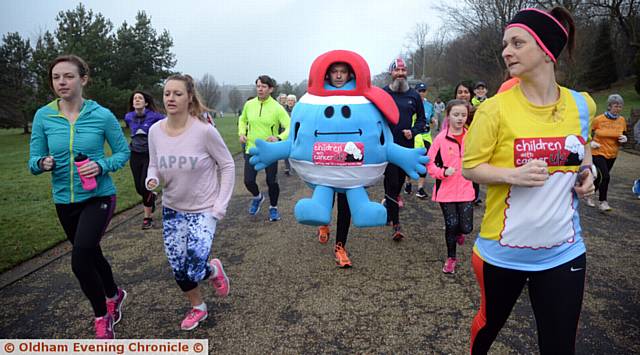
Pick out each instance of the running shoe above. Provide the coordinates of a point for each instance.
(589, 201)
(421, 194)
(460, 239)
(274, 215)
(104, 327)
(342, 257)
(287, 172)
(323, 234)
(604, 206)
(147, 223)
(636, 188)
(397, 233)
(477, 202)
(193, 318)
(114, 307)
(407, 188)
(449, 266)
(256, 202)
(221, 282)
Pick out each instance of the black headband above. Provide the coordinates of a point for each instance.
(548, 32)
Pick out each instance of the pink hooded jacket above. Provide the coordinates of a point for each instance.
(446, 152)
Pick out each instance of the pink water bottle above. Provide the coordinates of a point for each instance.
(87, 183)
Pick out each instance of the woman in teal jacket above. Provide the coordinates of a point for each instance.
(62, 130)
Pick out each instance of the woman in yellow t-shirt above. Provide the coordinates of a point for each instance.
(529, 145)
(608, 133)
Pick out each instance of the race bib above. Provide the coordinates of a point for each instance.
(338, 154)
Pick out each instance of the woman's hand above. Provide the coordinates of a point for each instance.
(584, 184)
(622, 138)
(152, 184)
(595, 145)
(47, 163)
(449, 171)
(534, 173)
(89, 170)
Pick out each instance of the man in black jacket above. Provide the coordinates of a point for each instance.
(409, 103)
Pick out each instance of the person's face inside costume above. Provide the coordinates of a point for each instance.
(338, 75)
(615, 108)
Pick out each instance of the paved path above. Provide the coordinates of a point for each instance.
(287, 296)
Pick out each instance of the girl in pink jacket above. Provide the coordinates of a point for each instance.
(454, 193)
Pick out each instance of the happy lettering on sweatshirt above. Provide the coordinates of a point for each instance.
(177, 162)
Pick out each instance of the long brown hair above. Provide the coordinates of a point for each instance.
(196, 107)
(148, 99)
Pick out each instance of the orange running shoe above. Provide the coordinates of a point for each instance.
(397, 233)
(323, 234)
(342, 259)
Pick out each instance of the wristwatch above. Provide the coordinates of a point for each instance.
(591, 167)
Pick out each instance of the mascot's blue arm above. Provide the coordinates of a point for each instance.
(412, 161)
(267, 153)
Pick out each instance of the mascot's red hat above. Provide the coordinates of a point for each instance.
(383, 101)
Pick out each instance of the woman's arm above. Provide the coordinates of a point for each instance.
(532, 174)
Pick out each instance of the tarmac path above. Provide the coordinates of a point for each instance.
(287, 295)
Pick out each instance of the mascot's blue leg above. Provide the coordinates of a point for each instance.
(365, 213)
(315, 211)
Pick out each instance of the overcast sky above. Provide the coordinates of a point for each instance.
(237, 40)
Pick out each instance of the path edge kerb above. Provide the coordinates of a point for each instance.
(63, 248)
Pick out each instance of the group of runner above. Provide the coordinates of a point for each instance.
(479, 141)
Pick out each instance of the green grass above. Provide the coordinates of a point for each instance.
(28, 221)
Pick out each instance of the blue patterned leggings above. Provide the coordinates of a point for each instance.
(187, 241)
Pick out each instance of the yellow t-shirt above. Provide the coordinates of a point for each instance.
(530, 228)
(606, 132)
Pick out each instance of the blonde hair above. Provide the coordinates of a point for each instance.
(196, 107)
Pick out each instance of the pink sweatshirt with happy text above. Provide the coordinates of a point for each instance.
(195, 168)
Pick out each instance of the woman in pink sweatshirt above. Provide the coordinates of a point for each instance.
(454, 193)
(188, 156)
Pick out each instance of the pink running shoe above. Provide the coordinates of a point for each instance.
(221, 282)
(449, 266)
(193, 318)
(114, 308)
(104, 327)
(460, 239)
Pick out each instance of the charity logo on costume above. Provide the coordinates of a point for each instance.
(338, 154)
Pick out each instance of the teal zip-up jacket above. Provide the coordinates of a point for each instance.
(52, 134)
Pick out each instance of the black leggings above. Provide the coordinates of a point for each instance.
(250, 175)
(393, 180)
(344, 219)
(604, 166)
(458, 219)
(84, 224)
(139, 164)
(556, 298)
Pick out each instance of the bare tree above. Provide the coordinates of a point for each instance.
(209, 90)
(418, 41)
(235, 100)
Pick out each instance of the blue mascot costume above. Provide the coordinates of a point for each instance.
(340, 141)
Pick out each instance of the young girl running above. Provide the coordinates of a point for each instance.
(454, 193)
(529, 144)
(85, 197)
(141, 116)
(192, 161)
